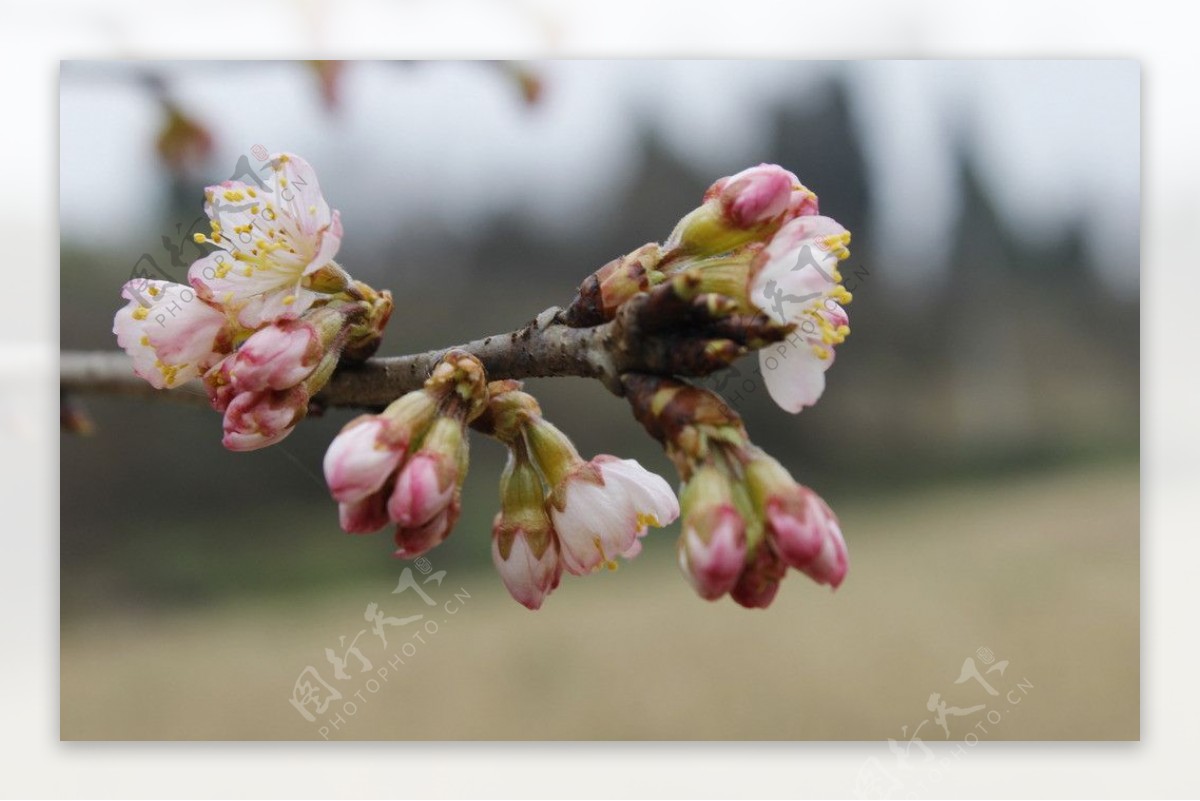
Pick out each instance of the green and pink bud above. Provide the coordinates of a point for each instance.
(800, 526)
(740, 209)
(754, 196)
(365, 464)
(431, 477)
(524, 545)
(406, 465)
(712, 547)
(367, 453)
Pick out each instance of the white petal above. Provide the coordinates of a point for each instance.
(794, 374)
(168, 331)
(650, 494)
(294, 189)
(596, 525)
(799, 269)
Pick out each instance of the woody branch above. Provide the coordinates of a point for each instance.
(544, 347)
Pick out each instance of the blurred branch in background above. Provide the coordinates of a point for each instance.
(185, 141)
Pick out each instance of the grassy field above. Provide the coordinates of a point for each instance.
(1041, 569)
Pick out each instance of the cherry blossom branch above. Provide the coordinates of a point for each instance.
(545, 347)
(275, 329)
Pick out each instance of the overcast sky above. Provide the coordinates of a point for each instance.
(1055, 141)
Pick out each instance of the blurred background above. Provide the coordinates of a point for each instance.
(978, 437)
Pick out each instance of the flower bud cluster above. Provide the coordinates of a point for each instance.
(406, 465)
(745, 519)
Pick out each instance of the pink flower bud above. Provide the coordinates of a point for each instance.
(276, 357)
(806, 535)
(756, 196)
(801, 528)
(741, 209)
(413, 541)
(424, 489)
(795, 528)
(712, 551)
(364, 516)
(257, 419)
(361, 458)
(528, 575)
(832, 562)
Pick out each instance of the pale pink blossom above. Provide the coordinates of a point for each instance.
(600, 508)
(170, 334)
(797, 282)
(271, 240)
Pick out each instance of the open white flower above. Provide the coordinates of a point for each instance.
(171, 335)
(601, 508)
(272, 239)
(796, 281)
